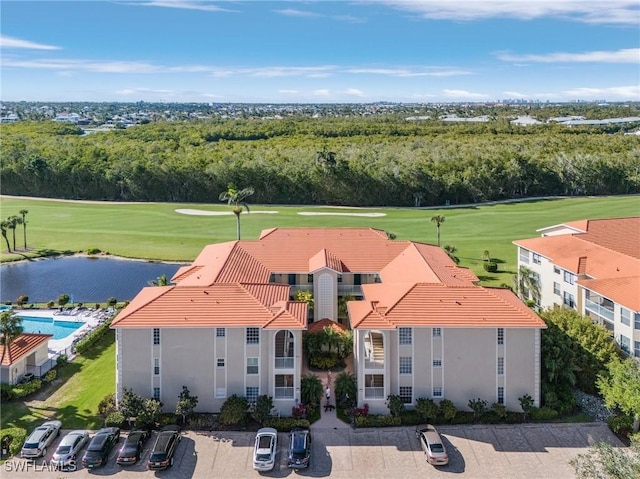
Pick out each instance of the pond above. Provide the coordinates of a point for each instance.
(84, 279)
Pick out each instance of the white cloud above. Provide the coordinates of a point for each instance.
(404, 72)
(354, 92)
(322, 92)
(288, 92)
(514, 94)
(621, 92)
(11, 42)
(622, 12)
(84, 65)
(626, 55)
(185, 4)
(137, 91)
(464, 94)
(291, 12)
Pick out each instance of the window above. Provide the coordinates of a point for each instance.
(500, 366)
(569, 300)
(437, 363)
(404, 335)
(637, 321)
(292, 279)
(253, 335)
(221, 392)
(252, 365)
(283, 386)
(252, 393)
(156, 336)
(406, 394)
(556, 270)
(625, 344)
(156, 366)
(374, 386)
(500, 336)
(636, 349)
(357, 279)
(220, 362)
(221, 332)
(310, 278)
(405, 364)
(625, 316)
(524, 255)
(339, 278)
(537, 259)
(500, 395)
(437, 392)
(569, 277)
(556, 288)
(437, 332)
(156, 394)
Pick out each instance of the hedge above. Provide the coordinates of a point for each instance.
(284, 424)
(378, 421)
(92, 338)
(18, 435)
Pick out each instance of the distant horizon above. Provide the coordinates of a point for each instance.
(320, 52)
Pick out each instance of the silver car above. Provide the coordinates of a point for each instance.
(42, 437)
(265, 449)
(432, 445)
(68, 449)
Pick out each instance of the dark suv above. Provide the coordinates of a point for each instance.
(165, 446)
(299, 448)
(100, 446)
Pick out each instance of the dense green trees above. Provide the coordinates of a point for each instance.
(353, 161)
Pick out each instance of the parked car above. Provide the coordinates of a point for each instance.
(100, 446)
(265, 449)
(41, 438)
(68, 449)
(132, 448)
(432, 445)
(164, 448)
(299, 448)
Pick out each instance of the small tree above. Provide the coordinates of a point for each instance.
(107, 405)
(479, 407)
(111, 301)
(63, 299)
(150, 414)
(486, 256)
(622, 388)
(264, 405)
(395, 405)
(186, 404)
(161, 280)
(603, 461)
(447, 409)
(22, 300)
(500, 410)
(526, 403)
(131, 405)
(438, 220)
(234, 410)
(426, 408)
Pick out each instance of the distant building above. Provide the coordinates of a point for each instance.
(525, 121)
(25, 353)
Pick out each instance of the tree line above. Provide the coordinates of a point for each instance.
(380, 161)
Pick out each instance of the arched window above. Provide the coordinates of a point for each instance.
(284, 349)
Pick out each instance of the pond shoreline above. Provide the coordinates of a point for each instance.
(87, 255)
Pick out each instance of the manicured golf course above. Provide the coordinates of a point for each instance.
(156, 231)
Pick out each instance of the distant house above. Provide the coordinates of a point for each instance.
(25, 352)
(592, 266)
(9, 119)
(422, 327)
(525, 121)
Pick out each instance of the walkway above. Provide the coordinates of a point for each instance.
(328, 419)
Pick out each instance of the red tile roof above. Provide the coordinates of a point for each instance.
(23, 345)
(318, 326)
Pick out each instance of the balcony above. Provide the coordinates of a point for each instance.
(374, 393)
(349, 289)
(596, 308)
(283, 363)
(283, 393)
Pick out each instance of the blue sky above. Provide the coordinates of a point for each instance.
(320, 51)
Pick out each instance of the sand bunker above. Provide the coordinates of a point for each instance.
(219, 213)
(369, 215)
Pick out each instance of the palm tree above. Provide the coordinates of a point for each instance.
(438, 220)
(10, 329)
(13, 222)
(486, 256)
(24, 226)
(346, 389)
(161, 280)
(310, 389)
(451, 251)
(4, 225)
(236, 198)
(527, 285)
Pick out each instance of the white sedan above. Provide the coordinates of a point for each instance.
(41, 437)
(68, 449)
(266, 447)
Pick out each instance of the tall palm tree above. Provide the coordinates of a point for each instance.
(4, 225)
(236, 198)
(438, 220)
(161, 280)
(13, 222)
(527, 284)
(310, 389)
(24, 226)
(451, 251)
(10, 329)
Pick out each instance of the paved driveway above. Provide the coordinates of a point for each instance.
(529, 451)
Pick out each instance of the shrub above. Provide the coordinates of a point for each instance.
(63, 299)
(168, 418)
(543, 414)
(264, 404)
(324, 360)
(111, 301)
(62, 360)
(411, 417)
(51, 375)
(92, 338)
(620, 424)
(6, 392)
(94, 251)
(447, 409)
(361, 411)
(559, 397)
(427, 408)
(107, 405)
(50, 304)
(22, 390)
(150, 413)
(299, 411)
(22, 300)
(17, 435)
(478, 406)
(395, 405)
(377, 420)
(526, 403)
(114, 419)
(234, 410)
(500, 410)
(285, 424)
(490, 267)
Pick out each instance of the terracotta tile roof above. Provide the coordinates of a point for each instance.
(217, 305)
(434, 304)
(22, 346)
(324, 323)
(325, 259)
(617, 234)
(185, 271)
(625, 291)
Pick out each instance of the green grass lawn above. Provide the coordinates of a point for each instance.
(156, 231)
(73, 398)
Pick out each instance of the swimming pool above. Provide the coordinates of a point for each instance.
(59, 328)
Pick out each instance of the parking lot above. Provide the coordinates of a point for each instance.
(527, 451)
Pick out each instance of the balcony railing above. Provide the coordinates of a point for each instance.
(349, 289)
(373, 364)
(284, 363)
(598, 309)
(374, 393)
(284, 393)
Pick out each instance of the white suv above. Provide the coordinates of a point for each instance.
(42, 437)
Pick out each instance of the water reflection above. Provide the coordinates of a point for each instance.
(85, 279)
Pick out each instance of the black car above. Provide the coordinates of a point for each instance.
(132, 448)
(100, 446)
(165, 446)
(299, 448)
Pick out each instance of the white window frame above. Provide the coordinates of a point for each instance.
(156, 393)
(405, 365)
(537, 259)
(253, 335)
(405, 336)
(501, 366)
(437, 362)
(625, 344)
(405, 396)
(437, 392)
(625, 316)
(250, 364)
(249, 396)
(156, 366)
(436, 332)
(500, 336)
(569, 277)
(156, 336)
(556, 289)
(524, 255)
(221, 332)
(500, 395)
(220, 363)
